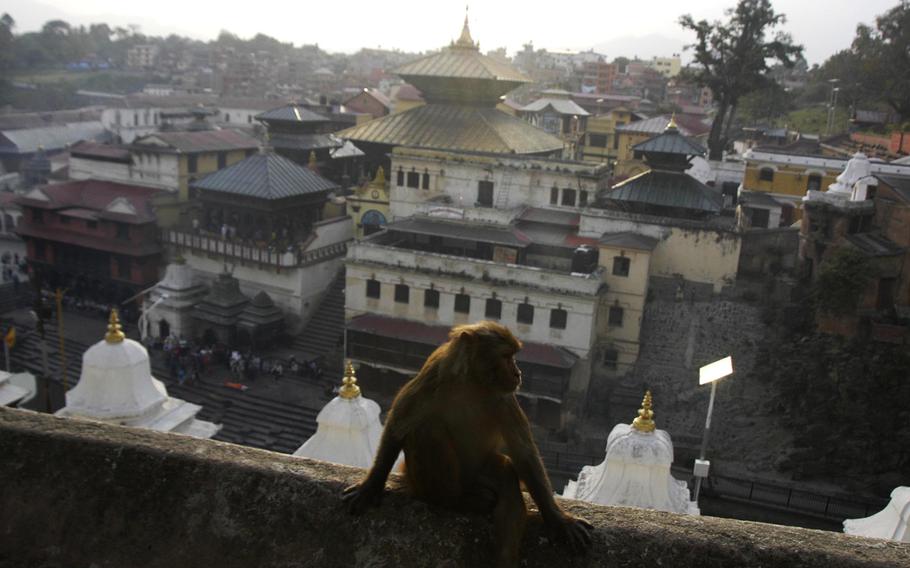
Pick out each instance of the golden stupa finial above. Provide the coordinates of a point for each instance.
(645, 420)
(465, 39)
(672, 124)
(114, 333)
(349, 388)
(379, 178)
(312, 163)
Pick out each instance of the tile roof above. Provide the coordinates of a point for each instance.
(630, 240)
(407, 330)
(97, 196)
(193, 141)
(27, 140)
(127, 248)
(376, 94)
(667, 189)
(562, 106)
(505, 235)
(265, 176)
(454, 127)
(96, 151)
(291, 113)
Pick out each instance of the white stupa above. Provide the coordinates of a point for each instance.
(851, 185)
(348, 429)
(892, 522)
(636, 471)
(168, 309)
(116, 386)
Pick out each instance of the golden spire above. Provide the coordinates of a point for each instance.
(312, 162)
(379, 178)
(349, 388)
(114, 334)
(465, 40)
(645, 422)
(672, 124)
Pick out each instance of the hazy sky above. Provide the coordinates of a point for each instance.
(641, 27)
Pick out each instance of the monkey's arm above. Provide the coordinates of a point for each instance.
(526, 458)
(369, 492)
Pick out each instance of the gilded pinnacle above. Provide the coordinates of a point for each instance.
(672, 124)
(114, 333)
(349, 388)
(644, 422)
(465, 40)
(379, 179)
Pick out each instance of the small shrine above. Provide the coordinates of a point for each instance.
(168, 310)
(348, 430)
(854, 186)
(117, 387)
(636, 471)
(369, 205)
(260, 322)
(891, 523)
(216, 315)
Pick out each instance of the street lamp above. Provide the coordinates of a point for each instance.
(710, 373)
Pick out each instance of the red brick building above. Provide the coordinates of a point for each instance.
(369, 101)
(98, 239)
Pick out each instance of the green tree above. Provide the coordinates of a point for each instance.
(731, 59)
(766, 105)
(884, 53)
(6, 41)
(842, 277)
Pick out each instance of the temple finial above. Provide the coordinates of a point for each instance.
(114, 333)
(379, 179)
(465, 39)
(645, 420)
(312, 164)
(349, 388)
(672, 124)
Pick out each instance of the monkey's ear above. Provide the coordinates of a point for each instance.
(467, 336)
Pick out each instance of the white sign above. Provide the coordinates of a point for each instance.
(716, 370)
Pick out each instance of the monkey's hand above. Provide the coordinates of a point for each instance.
(362, 496)
(574, 531)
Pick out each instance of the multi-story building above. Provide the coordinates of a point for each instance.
(371, 102)
(97, 238)
(142, 56)
(598, 77)
(869, 214)
(555, 112)
(601, 142)
(669, 67)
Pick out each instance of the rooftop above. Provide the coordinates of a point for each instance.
(667, 189)
(191, 142)
(268, 176)
(107, 199)
(291, 113)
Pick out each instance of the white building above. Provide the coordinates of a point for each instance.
(117, 387)
(636, 470)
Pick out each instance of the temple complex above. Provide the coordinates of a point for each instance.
(636, 471)
(117, 387)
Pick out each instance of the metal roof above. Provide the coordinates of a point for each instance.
(551, 216)
(455, 127)
(28, 140)
(655, 125)
(194, 141)
(265, 176)
(562, 106)
(461, 230)
(671, 142)
(291, 113)
(97, 196)
(630, 240)
(900, 184)
(667, 189)
(304, 141)
(462, 63)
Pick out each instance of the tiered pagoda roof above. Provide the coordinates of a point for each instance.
(266, 176)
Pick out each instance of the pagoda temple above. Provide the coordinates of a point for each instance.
(461, 87)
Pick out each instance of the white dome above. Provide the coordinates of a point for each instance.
(177, 277)
(116, 382)
(348, 432)
(647, 448)
(857, 168)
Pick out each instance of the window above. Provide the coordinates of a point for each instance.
(761, 218)
(558, 318)
(568, 197)
(135, 120)
(431, 299)
(525, 313)
(227, 117)
(122, 231)
(413, 180)
(399, 178)
(425, 181)
(402, 293)
(249, 118)
(373, 288)
(582, 198)
(554, 195)
(597, 140)
(611, 356)
(91, 224)
(616, 137)
(621, 265)
(462, 303)
(493, 309)
(814, 183)
(191, 164)
(870, 192)
(222, 160)
(766, 174)
(616, 316)
(485, 193)
(37, 216)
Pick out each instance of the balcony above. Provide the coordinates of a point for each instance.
(262, 255)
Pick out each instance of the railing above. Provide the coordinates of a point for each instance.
(266, 256)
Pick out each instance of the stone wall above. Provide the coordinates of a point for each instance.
(85, 494)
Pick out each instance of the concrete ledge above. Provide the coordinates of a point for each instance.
(80, 494)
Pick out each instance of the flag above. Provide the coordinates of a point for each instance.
(10, 337)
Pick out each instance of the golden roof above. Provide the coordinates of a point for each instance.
(645, 420)
(452, 127)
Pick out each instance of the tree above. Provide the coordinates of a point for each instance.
(842, 277)
(6, 41)
(884, 53)
(731, 58)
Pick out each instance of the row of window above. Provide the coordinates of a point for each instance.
(492, 309)
(122, 229)
(415, 180)
(568, 197)
(813, 182)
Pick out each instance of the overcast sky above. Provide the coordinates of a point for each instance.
(642, 27)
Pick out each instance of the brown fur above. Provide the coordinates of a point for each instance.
(466, 441)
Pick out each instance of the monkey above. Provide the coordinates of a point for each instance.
(467, 443)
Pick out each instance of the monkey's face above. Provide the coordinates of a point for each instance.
(509, 375)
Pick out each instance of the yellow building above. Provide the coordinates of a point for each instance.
(600, 143)
(630, 135)
(369, 205)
